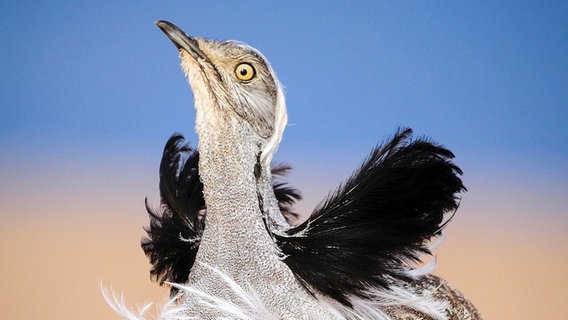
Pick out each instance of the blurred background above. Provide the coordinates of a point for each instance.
(90, 91)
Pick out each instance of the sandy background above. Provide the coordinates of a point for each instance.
(512, 266)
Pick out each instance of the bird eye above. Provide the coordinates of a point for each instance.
(245, 71)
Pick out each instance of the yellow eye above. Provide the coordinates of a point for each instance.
(245, 71)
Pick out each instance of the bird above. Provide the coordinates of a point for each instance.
(225, 238)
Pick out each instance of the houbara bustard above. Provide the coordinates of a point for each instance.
(221, 239)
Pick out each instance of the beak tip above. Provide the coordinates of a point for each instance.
(180, 39)
(162, 24)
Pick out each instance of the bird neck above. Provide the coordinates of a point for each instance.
(236, 241)
(238, 194)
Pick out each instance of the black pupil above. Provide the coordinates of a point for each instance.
(244, 72)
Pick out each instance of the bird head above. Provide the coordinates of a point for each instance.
(231, 81)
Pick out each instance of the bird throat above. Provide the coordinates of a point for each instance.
(237, 191)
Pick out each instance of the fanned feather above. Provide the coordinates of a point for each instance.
(285, 195)
(175, 229)
(369, 230)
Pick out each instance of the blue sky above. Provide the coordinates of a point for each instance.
(95, 86)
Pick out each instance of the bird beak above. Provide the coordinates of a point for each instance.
(181, 39)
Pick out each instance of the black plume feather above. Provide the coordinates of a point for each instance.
(368, 231)
(175, 229)
(285, 194)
